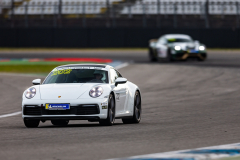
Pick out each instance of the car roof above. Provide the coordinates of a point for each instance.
(85, 65)
(169, 36)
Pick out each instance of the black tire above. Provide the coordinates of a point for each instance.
(31, 123)
(137, 110)
(169, 57)
(60, 122)
(152, 58)
(111, 113)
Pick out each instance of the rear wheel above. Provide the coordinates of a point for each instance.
(60, 122)
(31, 123)
(111, 113)
(137, 110)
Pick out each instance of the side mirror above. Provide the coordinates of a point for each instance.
(36, 81)
(120, 80)
(152, 42)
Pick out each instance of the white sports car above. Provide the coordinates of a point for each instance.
(97, 93)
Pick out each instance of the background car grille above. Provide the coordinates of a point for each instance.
(32, 110)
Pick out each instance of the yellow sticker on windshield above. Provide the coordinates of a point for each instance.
(55, 73)
(172, 40)
(67, 71)
(62, 71)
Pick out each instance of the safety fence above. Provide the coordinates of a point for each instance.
(117, 13)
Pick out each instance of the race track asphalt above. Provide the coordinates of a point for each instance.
(185, 105)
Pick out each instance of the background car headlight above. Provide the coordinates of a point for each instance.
(96, 92)
(177, 48)
(201, 48)
(30, 92)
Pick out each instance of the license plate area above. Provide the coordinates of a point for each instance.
(193, 51)
(51, 106)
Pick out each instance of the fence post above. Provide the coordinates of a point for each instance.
(114, 18)
(129, 10)
(158, 14)
(59, 9)
(223, 6)
(83, 16)
(175, 14)
(237, 6)
(12, 13)
(144, 15)
(26, 15)
(54, 16)
(183, 9)
(42, 14)
(207, 14)
(107, 14)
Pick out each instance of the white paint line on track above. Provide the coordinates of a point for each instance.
(206, 153)
(11, 114)
(27, 75)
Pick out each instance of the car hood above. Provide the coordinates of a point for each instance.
(186, 46)
(66, 91)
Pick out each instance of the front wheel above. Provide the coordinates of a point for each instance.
(137, 109)
(31, 123)
(169, 57)
(60, 122)
(111, 113)
(151, 56)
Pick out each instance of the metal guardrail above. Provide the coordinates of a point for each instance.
(105, 11)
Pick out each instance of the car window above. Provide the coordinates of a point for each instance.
(65, 75)
(119, 75)
(113, 75)
(179, 40)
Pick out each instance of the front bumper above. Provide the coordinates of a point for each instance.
(80, 109)
(183, 55)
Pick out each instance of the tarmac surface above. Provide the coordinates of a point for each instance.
(185, 105)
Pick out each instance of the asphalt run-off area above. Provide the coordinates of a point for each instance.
(185, 105)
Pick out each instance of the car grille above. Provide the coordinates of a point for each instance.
(190, 47)
(87, 109)
(32, 110)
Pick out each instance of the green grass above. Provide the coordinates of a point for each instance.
(230, 158)
(27, 68)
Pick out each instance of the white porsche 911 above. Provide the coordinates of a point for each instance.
(97, 93)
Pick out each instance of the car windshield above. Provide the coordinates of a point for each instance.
(179, 40)
(66, 75)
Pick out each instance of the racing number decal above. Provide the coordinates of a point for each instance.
(67, 71)
(63, 71)
(117, 96)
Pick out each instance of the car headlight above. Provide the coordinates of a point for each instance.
(177, 48)
(201, 48)
(96, 92)
(30, 93)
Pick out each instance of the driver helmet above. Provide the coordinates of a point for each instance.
(101, 73)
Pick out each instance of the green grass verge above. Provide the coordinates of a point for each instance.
(230, 158)
(27, 68)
